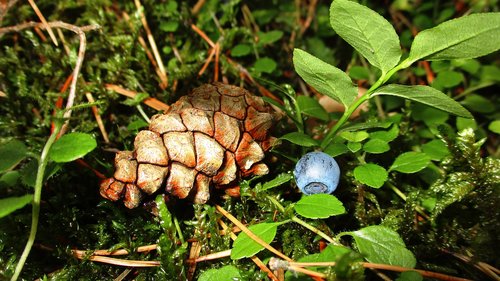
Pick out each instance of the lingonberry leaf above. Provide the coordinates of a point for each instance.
(426, 95)
(466, 37)
(10, 204)
(380, 244)
(324, 77)
(71, 147)
(368, 32)
(319, 206)
(11, 154)
(410, 162)
(244, 246)
(370, 174)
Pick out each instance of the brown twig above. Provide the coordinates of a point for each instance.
(250, 233)
(152, 42)
(207, 62)
(120, 252)
(311, 9)
(203, 35)
(80, 31)
(44, 21)
(194, 253)
(142, 42)
(97, 117)
(254, 258)
(276, 263)
(213, 256)
(248, 77)
(122, 262)
(151, 102)
(216, 66)
(197, 7)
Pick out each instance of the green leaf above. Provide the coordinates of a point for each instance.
(359, 72)
(387, 136)
(368, 32)
(10, 204)
(448, 79)
(244, 246)
(311, 107)
(410, 276)
(228, 272)
(241, 50)
(380, 244)
(136, 100)
(436, 149)
(426, 95)
(336, 149)
(478, 103)
(494, 126)
(9, 179)
(370, 174)
(269, 37)
(431, 116)
(265, 64)
(71, 147)
(357, 136)
(329, 254)
(464, 123)
(169, 26)
(410, 162)
(325, 78)
(376, 146)
(466, 37)
(277, 181)
(300, 139)
(319, 206)
(354, 146)
(137, 124)
(11, 154)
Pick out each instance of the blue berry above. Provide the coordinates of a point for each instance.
(317, 172)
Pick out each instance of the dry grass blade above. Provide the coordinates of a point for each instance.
(152, 42)
(151, 102)
(250, 233)
(44, 22)
(255, 259)
(295, 266)
(194, 253)
(122, 262)
(97, 117)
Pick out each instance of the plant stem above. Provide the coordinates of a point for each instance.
(143, 114)
(36, 200)
(398, 192)
(366, 96)
(304, 224)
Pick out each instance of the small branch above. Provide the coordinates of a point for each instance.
(216, 64)
(44, 21)
(97, 117)
(197, 7)
(213, 256)
(163, 78)
(275, 263)
(250, 233)
(254, 258)
(151, 102)
(152, 42)
(203, 35)
(120, 252)
(122, 262)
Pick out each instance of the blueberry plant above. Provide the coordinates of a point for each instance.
(403, 98)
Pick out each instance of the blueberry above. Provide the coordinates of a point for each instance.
(317, 172)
